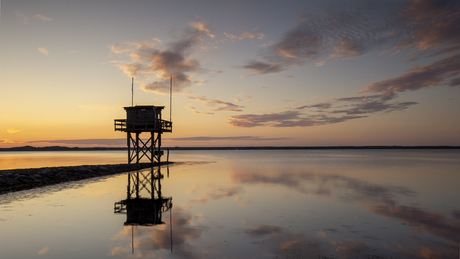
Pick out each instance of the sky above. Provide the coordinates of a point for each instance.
(245, 73)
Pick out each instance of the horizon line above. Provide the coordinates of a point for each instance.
(63, 148)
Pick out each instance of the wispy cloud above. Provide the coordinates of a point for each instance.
(42, 18)
(445, 72)
(286, 119)
(217, 105)
(343, 32)
(218, 193)
(44, 51)
(422, 28)
(22, 16)
(357, 190)
(379, 199)
(148, 60)
(150, 240)
(262, 68)
(7, 141)
(242, 96)
(427, 221)
(43, 251)
(109, 142)
(195, 111)
(251, 35)
(11, 131)
(202, 26)
(130, 47)
(263, 229)
(323, 113)
(431, 27)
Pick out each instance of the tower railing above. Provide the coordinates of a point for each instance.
(156, 125)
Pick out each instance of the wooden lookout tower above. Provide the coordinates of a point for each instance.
(144, 203)
(140, 119)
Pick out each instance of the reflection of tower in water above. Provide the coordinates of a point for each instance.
(144, 203)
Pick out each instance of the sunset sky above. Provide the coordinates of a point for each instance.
(245, 73)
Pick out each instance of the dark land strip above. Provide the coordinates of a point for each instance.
(61, 148)
(22, 179)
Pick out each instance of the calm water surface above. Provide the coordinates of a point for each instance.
(242, 204)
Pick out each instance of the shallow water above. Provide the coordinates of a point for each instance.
(37, 159)
(249, 204)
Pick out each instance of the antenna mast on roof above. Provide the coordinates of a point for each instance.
(132, 91)
(170, 100)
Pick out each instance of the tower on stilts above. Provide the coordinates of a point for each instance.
(143, 119)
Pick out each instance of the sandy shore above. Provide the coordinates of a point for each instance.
(23, 179)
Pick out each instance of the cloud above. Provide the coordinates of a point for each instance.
(342, 32)
(328, 185)
(42, 17)
(44, 51)
(148, 60)
(285, 179)
(149, 240)
(24, 17)
(375, 198)
(262, 68)
(323, 113)
(242, 96)
(202, 26)
(426, 252)
(442, 72)
(262, 230)
(251, 35)
(109, 142)
(375, 106)
(286, 244)
(338, 33)
(430, 25)
(268, 119)
(128, 47)
(195, 111)
(218, 193)
(454, 82)
(217, 105)
(230, 36)
(239, 138)
(7, 141)
(420, 219)
(43, 251)
(11, 131)
(349, 248)
(285, 119)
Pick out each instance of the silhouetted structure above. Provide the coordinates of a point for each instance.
(139, 119)
(144, 203)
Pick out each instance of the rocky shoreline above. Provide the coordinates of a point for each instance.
(23, 179)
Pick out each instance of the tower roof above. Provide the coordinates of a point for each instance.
(141, 107)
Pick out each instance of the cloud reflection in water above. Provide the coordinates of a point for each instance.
(376, 198)
(149, 241)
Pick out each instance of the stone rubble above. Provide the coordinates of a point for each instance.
(23, 179)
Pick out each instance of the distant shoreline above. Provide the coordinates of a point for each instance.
(61, 148)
